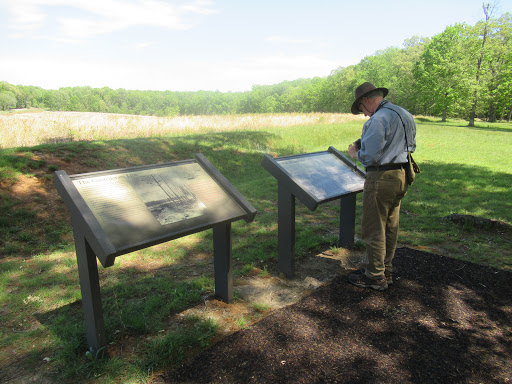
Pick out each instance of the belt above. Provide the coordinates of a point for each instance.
(385, 167)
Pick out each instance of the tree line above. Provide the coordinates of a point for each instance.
(463, 72)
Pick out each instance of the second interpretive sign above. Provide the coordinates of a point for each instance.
(322, 174)
(316, 177)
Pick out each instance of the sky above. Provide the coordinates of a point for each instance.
(191, 45)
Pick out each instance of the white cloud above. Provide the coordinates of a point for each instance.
(105, 16)
(199, 7)
(144, 45)
(288, 40)
(284, 67)
(27, 16)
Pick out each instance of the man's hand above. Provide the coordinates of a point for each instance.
(352, 151)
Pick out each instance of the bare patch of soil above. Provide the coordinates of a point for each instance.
(479, 222)
(259, 294)
(35, 192)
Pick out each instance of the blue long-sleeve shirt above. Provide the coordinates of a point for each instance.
(383, 139)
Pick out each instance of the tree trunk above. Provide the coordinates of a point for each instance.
(492, 113)
(487, 11)
(445, 107)
(473, 110)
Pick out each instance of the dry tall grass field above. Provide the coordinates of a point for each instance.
(29, 129)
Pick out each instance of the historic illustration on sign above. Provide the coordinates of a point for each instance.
(168, 198)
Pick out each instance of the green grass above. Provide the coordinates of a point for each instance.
(464, 170)
(467, 171)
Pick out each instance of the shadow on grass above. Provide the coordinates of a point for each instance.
(445, 189)
(443, 321)
(490, 128)
(480, 125)
(133, 303)
(135, 306)
(451, 188)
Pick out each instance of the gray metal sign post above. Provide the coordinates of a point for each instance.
(121, 211)
(313, 178)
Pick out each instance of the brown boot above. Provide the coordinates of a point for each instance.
(362, 281)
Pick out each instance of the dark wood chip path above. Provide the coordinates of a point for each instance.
(443, 321)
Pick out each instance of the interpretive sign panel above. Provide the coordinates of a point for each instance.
(317, 177)
(314, 178)
(140, 204)
(136, 207)
(120, 211)
(322, 175)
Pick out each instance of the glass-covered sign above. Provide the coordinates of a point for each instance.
(137, 204)
(316, 177)
(322, 175)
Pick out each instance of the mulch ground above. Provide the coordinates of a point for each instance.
(443, 321)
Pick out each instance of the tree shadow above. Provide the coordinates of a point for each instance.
(443, 321)
(483, 126)
(138, 313)
(490, 129)
(459, 187)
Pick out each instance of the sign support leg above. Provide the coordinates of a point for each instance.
(347, 221)
(91, 296)
(286, 231)
(222, 261)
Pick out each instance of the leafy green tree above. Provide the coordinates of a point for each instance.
(496, 93)
(341, 84)
(503, 78)
(13, 91)
(32, 96)
(441, 74)
(402, 89)
(7, 100)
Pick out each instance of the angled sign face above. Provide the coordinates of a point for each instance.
(142, 204)
(322, 175)
(317, 177)
(135, 207)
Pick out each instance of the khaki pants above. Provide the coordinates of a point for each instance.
(382, 193)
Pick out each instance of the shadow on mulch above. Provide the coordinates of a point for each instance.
(443, 321)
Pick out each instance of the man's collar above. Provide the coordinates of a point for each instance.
(381, 104)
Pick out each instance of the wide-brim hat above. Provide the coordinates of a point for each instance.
(361, 92)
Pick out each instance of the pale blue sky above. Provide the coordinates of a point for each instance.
(225, 45)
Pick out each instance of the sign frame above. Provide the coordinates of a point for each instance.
(93, 242)
(310, 200)
(289, 188)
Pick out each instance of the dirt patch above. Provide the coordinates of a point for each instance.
(36, 190)
(479, 222)
(257, 295)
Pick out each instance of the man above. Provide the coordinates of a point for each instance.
(387, 137)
